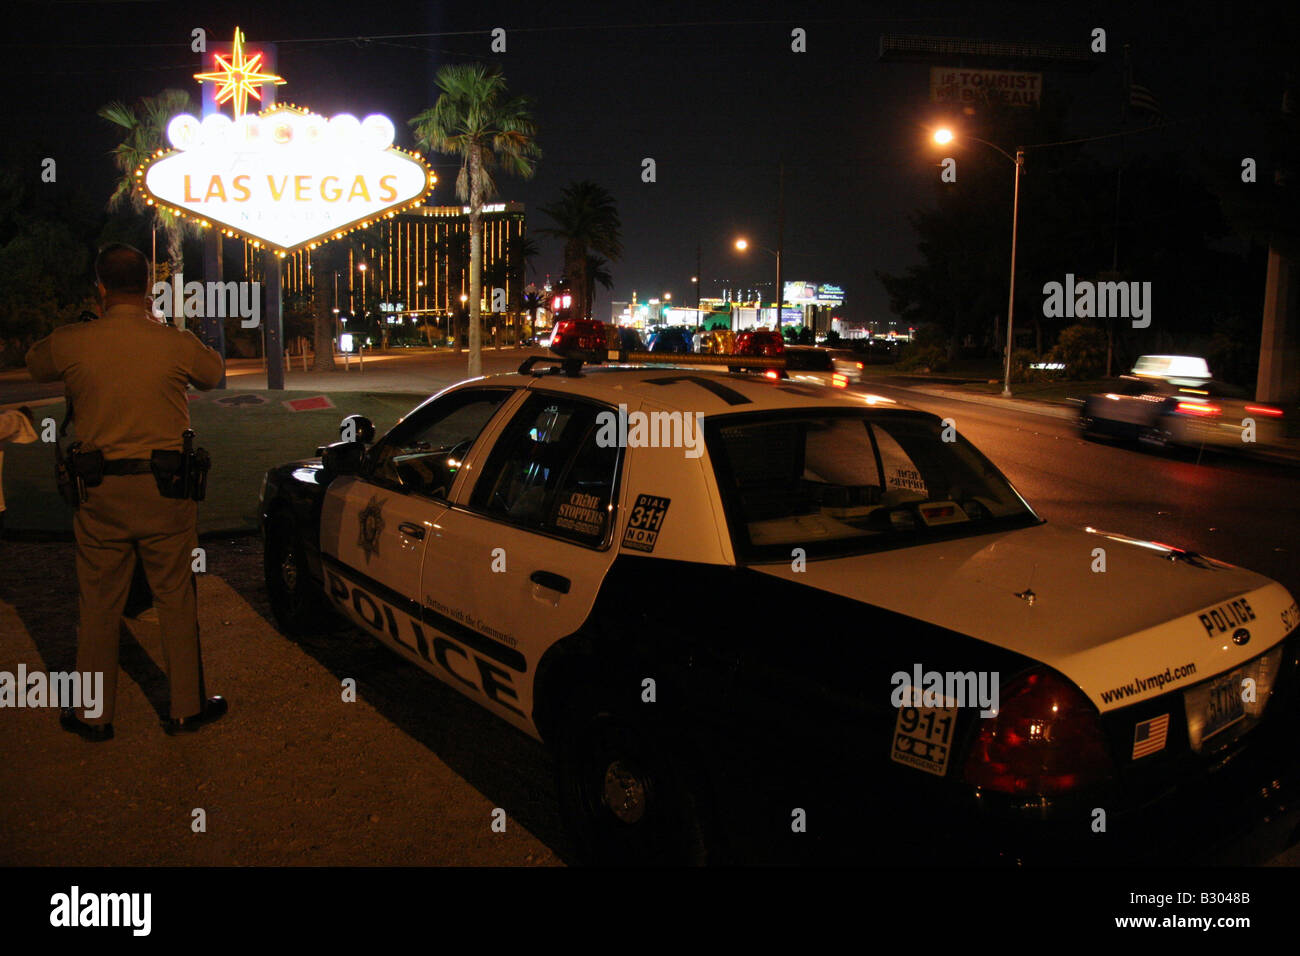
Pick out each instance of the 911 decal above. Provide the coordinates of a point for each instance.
(644, 523)
(923, 738)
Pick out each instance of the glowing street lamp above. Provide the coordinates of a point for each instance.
(943, 136)
(743, 244)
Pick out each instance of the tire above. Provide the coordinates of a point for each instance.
(625, 794)
(296, 602)
(1153, 437)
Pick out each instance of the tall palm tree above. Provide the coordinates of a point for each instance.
(586, 219)
(474, 118)
(145, 124)
(597, 271)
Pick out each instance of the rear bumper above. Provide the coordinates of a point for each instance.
(1244, 812)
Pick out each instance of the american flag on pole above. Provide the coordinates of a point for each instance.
(1141, 98)
(1149, 736)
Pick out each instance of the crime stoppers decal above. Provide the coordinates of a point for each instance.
(644, 523)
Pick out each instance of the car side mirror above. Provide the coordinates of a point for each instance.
(357, 428)
(343, 458)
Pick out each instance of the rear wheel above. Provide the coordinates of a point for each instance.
(1153, 436)
(296, 602)
(625, 793)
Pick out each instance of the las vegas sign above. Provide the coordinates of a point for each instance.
(284, 178)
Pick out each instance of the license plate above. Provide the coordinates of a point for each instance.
(1223, 706)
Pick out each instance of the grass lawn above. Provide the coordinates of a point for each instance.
(1042, 391)
(243, 439)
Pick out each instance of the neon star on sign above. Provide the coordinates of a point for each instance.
(285, 177)
(239, 77)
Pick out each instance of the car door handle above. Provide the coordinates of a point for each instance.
(411, 530)
(549, 579)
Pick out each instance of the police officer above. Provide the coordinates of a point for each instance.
(126, 375)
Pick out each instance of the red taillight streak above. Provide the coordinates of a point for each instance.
(1199, 409)
(1264, 410)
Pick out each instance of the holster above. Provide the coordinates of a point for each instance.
(76, 471)
(169, 473)
(182, 474)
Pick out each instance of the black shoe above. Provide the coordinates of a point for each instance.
(95, 733)
(214, 708)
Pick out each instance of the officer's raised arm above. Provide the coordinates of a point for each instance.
(206, 365)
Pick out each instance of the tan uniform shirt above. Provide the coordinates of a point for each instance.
(126, 376)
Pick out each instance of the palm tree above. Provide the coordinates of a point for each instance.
(597, 271)
(474, 118)
(586, 219)
(145, 124)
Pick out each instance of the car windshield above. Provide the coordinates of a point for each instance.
(844, 481)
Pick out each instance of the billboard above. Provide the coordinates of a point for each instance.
(813, 293)
(964, 87)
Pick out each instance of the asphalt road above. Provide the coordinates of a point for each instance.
(1239, 510)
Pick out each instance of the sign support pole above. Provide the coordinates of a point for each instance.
(273, 316)
(214, 327)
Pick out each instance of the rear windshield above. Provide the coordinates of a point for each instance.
(843, 481)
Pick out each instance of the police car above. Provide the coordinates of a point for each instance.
(763, 620)
(1171, 400)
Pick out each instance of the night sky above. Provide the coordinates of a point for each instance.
(711, 92)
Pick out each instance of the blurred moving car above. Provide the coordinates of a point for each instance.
(1171, 400)
(836, 367)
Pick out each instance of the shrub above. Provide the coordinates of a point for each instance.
(1021, 359)
(1082, 348)
(924, 358)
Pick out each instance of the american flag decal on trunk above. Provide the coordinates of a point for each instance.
(1149, 736)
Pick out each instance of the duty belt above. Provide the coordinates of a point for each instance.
(127, 466)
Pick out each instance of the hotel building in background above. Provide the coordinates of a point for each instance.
(418, 270)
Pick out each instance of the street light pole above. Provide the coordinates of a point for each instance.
(780, 240)
(1011, 296)
(699, 280)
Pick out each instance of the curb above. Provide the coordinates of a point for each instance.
(1021, 404)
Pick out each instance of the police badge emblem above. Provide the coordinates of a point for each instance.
(372, 526)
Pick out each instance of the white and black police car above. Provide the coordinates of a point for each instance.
(760, 620)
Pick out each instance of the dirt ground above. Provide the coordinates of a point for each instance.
(409, 774)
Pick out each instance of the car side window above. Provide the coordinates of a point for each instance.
(550, 472)
(423, 454)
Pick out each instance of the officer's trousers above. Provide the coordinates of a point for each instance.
(125, 516)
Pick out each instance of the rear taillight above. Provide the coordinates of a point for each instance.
(1046, 739)
(1265, 410)
(839, 381)
(1199, 409)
